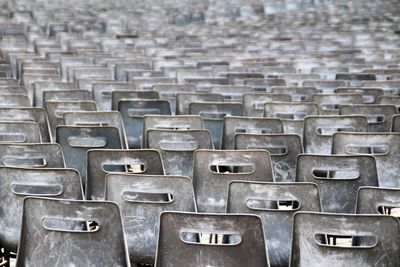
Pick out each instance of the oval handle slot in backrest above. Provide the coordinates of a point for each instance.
(218, 238)
(70, 225)
(213, 115)
(134, 167)
(268, 205)
(87, 142)
(12, 137)
(140, 112)
(239, 168)
(89, 123)
(330, 130)
(291, 116)
(33, 162)
(342, 174)
(253, 130)
(37, 189)
(375, 118)
(272, 150)
(389, 210)
(148, 197)
(345, 241)
(330, 106)
(178, 145)
(370, 150)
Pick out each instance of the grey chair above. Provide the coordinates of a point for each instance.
(380, 145)
(141, 199)
(226, 240)
(378, 200)
(101, 162)
(253, 103)
(319, 131)
(214, 169)
(283, 150)
(177, 148)
(338, 178)
(275, 203)
(183, 100)
(71, 233)
(329, 104)
(18, 183)
(322, 239)
(234, 125)
(20, 132)
(77, 140)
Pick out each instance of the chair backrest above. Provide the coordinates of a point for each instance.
(324, 86)
(39, 87)
(297, 94)
(66, 95)
(141, 199)
(183, 100)
(264, 85)
(77, 140)
(234, 125)
(42, 155)
(132, 112)
(55, 111)
(71, 233)
(184, 240)
(338, 178)
(18, 183)
(379, 117)
(321, 239)
(369, 95)
(319, 130)
(213, 115)
(378, 200)
(383, 146)
(37, 115)
(275, 203)
(101, 162)
(102, 92)
(292, 114)
(283, 150)
(253, 103)
(169, 92)
(214, 169)
(395, 127)
(231, 93)
(389, 87)
(168, 122)
(355, 79)
(97, 118)
(19, 132)
(329, 104)
(14, 101)
(177, 148)
(390, 100)
(119, 95)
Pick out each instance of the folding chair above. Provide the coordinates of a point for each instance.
(141, 199)
(369, 95)
(169, 92)
(37, 115)
(275, 203)
(169, 122)
(55, 111)
(102, 92)
(132, 112)
(283, 150)
(378, 200)
(101, 162)
(19, 132)
(27, 81)
(319, 131)
(77, 140)
(214, 169)
(292, 114)
(192, 239)
(97, 118)
(297, 94)
(355, 79)
(338, 178)
(18, 183)
(329, 104)
(380, 145)
(39, 87)
(177, 148)
(344, 240)
(31, 155)
(120, 95)
(264, 85)
(233, 125)
(183, 100)
(213, 114)
(253, 103)
(71, 233)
